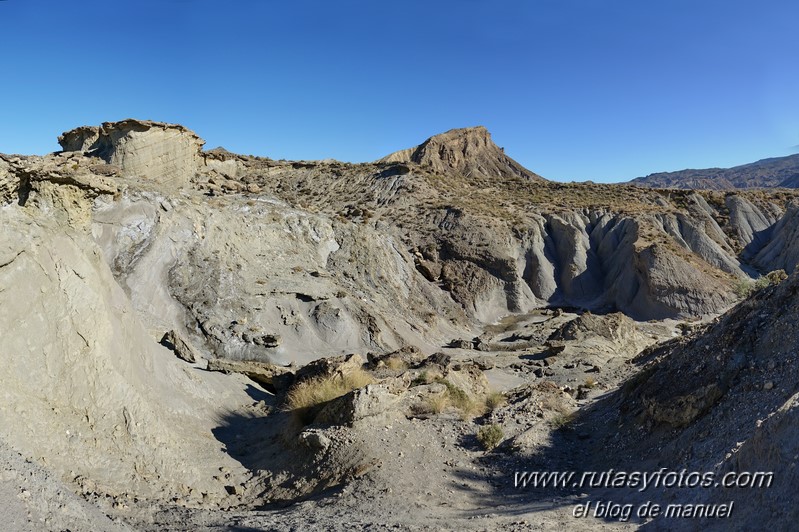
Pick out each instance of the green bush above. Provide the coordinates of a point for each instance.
(490, 436)
(420, 380)
(745, 287)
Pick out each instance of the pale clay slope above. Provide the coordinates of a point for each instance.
(562, 257)
(104, 401)
(33, 498)
(93, 284)
(190, 266)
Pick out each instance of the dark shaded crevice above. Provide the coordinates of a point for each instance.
(23, 192)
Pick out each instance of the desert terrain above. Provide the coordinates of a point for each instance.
(195, 339)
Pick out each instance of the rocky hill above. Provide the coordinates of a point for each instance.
(766, 173)
(194, 331)
(467, 152)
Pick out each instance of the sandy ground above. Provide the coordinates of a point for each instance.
(34, 499)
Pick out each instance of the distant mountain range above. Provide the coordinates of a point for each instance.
(766, 173)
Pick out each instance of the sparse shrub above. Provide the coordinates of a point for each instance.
(452, 396)
(461, 400)
(396, 364)
(436, 404)
(762, 283)
(776, 276)
(456, 393)
(744, 287)
(551, 403)
(590, 382)
(494, 400)
(563, 414)
(490, 436)
(562, 419)
(422, 379)
(303, 397)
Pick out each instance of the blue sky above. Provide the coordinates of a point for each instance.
(573, 89)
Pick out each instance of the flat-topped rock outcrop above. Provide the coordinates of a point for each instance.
(166, 153)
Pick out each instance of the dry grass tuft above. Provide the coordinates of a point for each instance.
(308, 394)
(563, 419)
(468, 406)
(494, 400)
(435, 404)
(563, 414)
(396, 364)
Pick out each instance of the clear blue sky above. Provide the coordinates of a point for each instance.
(573, 89)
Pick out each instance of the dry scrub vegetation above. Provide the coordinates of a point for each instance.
(745, 287)
(468, 406)
(562, 413)
(310, 393)
(490, 436)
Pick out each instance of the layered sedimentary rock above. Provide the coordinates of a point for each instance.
(724, 399)
(8, 183)
(469, 152)
(166, 153)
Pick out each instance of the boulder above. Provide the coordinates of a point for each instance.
(326, 367)
(315, 440)
(268, 340)
(373, 400)
(270, 376)
(682, 410)
(408, 355)
(183, 349)
(436, 359)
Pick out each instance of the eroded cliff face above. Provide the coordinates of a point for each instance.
(723, 398)
(289, 261)
(167, 153)
(8, 183)
(86, 389)
(261, 280)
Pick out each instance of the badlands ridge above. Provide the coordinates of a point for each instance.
(162, 305)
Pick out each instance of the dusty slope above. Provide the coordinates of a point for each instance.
(33, 498)
(391, 461)
(721, 399)
(86, 389)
